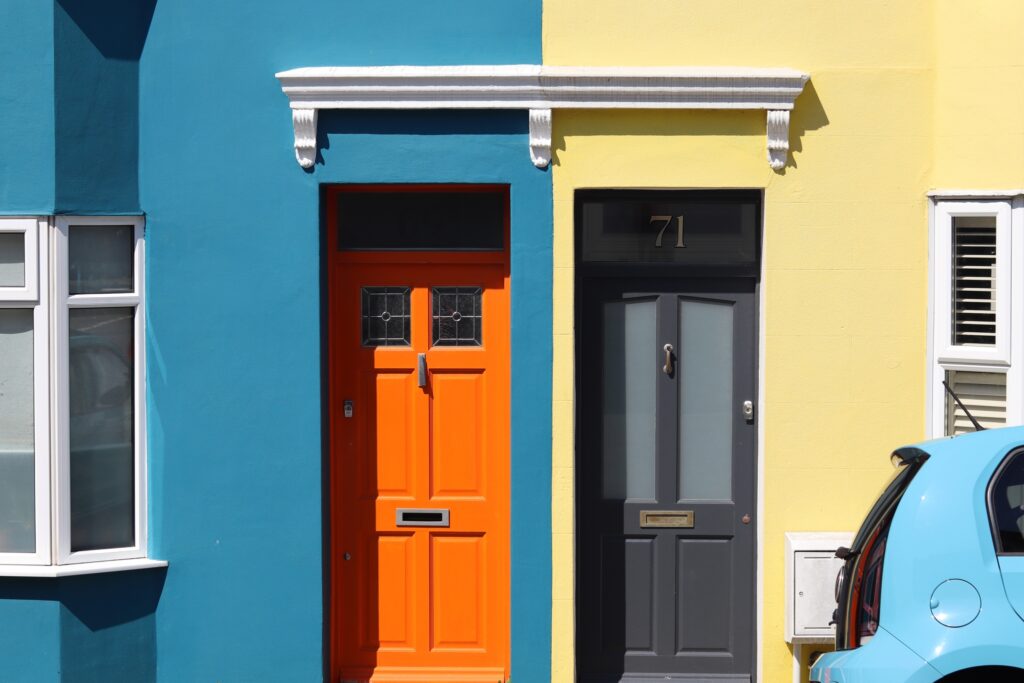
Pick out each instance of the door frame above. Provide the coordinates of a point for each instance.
(333, 261)
(582, 272)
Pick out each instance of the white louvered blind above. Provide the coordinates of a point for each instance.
(984, 394)
(974, 281)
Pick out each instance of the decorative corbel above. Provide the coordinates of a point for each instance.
(778, 138)
(540, 137)
(304, 122)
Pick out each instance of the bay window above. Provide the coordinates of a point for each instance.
(72, 392)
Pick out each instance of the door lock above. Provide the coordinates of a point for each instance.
(748, 411)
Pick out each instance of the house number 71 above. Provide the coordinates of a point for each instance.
(667, 221)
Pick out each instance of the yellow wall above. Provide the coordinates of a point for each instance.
(900, 100)
(979, 101)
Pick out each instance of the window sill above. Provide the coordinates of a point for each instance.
(57, 571)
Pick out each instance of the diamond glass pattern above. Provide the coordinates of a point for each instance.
(385, 316)
(457, 316)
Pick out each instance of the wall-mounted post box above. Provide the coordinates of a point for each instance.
(811, 570)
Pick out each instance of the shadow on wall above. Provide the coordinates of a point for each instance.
(117, 28)
(107, 625)
(97, 48)
(808, 114)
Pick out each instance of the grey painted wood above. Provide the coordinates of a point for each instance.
(664, 603)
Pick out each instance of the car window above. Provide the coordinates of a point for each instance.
(1006, 505)
(892, 490)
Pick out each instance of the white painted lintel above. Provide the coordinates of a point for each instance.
(540, 90)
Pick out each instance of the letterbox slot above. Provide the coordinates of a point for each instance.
(421, 517)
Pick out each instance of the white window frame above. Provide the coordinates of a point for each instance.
(945, 214)
(47, 261)
(35, 231)
(63, 303)
(29, 229)
(1007, 356)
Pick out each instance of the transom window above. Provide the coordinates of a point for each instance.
(72, 432)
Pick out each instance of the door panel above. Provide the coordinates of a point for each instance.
(459, 592)
(415, 602)
(639, 555)
(458, 448)
(664, 368)
(703, 586)
(396, 610)
(393, 403)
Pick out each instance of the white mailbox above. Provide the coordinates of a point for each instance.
(811, 569)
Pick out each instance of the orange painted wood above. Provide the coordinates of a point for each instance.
(418, 603)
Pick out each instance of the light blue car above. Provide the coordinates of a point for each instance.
(933, 586)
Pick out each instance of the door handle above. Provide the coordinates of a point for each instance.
(421, 370)
(668, 368)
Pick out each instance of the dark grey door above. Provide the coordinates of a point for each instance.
(666, 473)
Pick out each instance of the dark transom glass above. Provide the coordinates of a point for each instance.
(444, 220)
(385, 316)
(457, 316)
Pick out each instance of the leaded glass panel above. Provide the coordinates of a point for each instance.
(386, 316)
(457, 316)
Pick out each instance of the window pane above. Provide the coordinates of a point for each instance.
(12, 259)
(706, 406)
(101, 366)
(100, 258)
(17, 445)
(457, 316)
(984, 394)
(386, 313)
(1008, 507)
(628, 366)
(974, 281)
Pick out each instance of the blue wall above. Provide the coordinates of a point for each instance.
(172, 109)
(26, 107)
(234, 301)
(68, 143)
(69, 105)
(96, 80)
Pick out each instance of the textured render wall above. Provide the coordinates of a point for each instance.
(96, 104)
(26, 107)
(234, 301)
(979, 102)
(67, 112)
(845, 233)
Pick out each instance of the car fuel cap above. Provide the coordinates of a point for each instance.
(955, 603)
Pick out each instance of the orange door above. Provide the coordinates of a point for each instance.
(420, 467)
